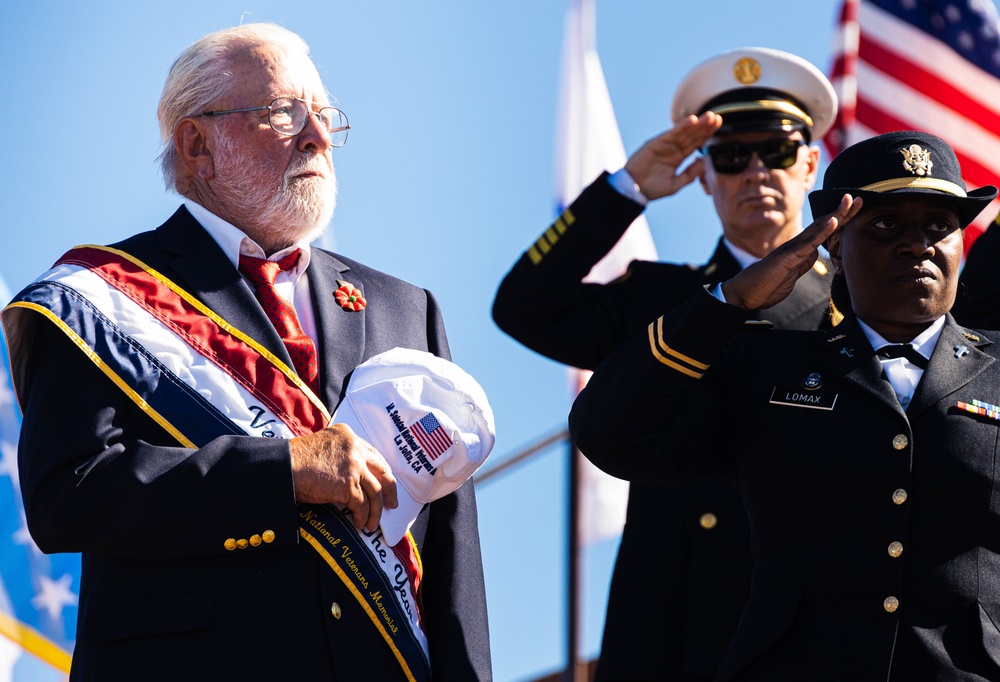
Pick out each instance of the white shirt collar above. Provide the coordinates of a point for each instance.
(234, 242)
(744, 258)
(924, 342)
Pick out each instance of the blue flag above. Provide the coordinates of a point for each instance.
(38, 592)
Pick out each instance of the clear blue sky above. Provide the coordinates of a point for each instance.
(446, 179)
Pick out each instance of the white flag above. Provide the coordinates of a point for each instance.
(588, 142)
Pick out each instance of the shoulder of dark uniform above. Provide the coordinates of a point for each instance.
(657, 273)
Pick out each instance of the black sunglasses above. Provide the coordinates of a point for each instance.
(734, 157)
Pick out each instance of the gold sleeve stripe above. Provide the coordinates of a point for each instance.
(666, 361)
(549, 238)
(655, 346)
(680, 356)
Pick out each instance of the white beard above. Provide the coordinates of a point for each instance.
(275, 217)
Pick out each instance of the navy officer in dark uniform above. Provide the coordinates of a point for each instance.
(753, 112)
(867, 456)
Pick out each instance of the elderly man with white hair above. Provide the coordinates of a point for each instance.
(177, 390)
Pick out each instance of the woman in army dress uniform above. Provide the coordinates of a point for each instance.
(866, 456)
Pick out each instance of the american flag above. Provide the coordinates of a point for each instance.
(930, 65)
(38, 592)
(431, 436)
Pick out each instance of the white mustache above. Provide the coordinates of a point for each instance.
(305, 165)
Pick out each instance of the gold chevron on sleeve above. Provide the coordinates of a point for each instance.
(671, 358)
(549, 238)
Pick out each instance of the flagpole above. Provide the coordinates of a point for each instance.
(572, 672)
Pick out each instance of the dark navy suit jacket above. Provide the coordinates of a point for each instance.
(161, 598)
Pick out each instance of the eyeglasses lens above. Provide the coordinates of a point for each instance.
(288, 116)
(734, 157)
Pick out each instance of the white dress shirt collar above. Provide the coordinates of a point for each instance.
(902, 374)
(924, 342)
(744, 258)
(234, 242)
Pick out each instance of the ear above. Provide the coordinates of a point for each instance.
(812, 165)
(702, 178)
(191, 143)
(833, 247)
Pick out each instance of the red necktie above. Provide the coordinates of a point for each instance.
(282, 315)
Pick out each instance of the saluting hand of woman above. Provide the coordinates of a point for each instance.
(769, 281)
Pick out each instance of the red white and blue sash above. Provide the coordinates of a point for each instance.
(200, 378)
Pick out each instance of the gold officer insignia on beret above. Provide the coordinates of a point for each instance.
(747, 70)
(917, 160)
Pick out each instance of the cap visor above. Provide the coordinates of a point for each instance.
(395, 522)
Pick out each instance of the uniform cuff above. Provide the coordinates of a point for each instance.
(624, 184)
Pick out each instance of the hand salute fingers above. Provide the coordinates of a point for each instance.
(655, 166)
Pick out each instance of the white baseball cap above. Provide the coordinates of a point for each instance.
(428, 418)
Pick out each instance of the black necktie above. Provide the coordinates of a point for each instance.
(902, 350)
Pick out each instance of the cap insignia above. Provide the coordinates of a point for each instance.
(747, 71)
(917, 160)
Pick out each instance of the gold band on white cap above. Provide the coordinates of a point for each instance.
(765, 105)
(923, 183)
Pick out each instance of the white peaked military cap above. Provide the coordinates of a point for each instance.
(428, 418)
(757, 88)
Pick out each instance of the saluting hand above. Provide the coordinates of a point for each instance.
(654, 167)
(336, 466)
(769, 281)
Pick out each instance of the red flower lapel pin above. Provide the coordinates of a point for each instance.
(349, 297)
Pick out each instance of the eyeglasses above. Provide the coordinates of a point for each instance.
(288, 116)
(734, 157)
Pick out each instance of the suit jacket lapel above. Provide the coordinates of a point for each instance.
(845, 350)
(204, 270)
(341, 343)
(722, 265)
(956, 360)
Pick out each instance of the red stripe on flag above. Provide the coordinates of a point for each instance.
(876, 118)
(911, 74)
